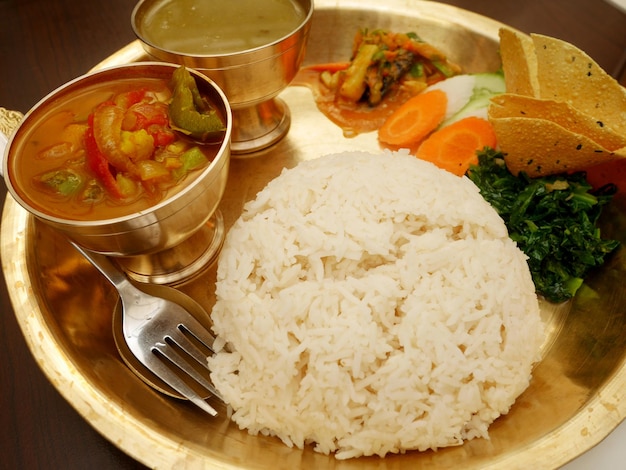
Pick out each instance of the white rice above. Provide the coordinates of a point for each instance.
(372, 304)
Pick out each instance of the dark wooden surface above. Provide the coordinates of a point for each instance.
(44, 43)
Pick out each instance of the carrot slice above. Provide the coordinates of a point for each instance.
(415, 119)
(454, 147)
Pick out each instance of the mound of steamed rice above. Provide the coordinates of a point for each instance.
(372, 304)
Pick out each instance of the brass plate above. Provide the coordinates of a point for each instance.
(64, 307)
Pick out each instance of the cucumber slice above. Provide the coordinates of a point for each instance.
(486, 85)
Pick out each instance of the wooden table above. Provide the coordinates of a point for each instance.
(45, 43)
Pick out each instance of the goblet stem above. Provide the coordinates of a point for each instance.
(258, 127)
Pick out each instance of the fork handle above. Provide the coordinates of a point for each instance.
(105, 266)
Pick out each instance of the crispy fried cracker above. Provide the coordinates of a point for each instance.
(565, 73)
(519, 62)
(561, 113)
(541, 147)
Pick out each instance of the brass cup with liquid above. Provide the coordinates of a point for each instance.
(251, 78)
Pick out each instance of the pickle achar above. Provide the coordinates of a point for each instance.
(190, 113)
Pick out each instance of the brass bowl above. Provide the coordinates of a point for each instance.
(576, 396)
(151, 232)
(251, 78)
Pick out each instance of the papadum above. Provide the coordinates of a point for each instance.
(561, 112)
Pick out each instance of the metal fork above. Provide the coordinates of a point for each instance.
(161, 334)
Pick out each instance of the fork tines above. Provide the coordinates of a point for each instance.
(183, 355)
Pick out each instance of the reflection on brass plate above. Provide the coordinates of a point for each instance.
(65, 308)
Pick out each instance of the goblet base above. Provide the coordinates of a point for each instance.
(182, 262)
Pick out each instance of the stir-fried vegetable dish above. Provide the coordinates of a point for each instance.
(383, 60)
(383, 71)
(553, 219)
(122, 145)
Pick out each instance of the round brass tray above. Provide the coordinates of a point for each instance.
(64, 307)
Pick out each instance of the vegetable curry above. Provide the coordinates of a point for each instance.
(113, 150)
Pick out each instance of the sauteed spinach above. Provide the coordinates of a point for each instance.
(553, 219)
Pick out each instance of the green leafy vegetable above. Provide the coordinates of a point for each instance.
(553, 219)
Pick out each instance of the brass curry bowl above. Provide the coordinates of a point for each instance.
(138, 237)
